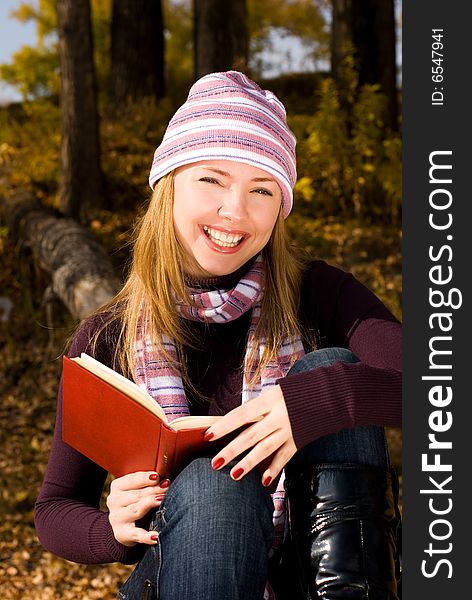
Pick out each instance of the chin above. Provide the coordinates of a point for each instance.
(220, 267)
(221, 271)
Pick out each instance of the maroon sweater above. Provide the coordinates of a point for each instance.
(340, 310)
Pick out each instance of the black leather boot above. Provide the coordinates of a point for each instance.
(344, 532)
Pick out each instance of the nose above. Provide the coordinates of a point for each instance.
(234, 206)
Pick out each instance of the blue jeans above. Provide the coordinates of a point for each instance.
(215, 533)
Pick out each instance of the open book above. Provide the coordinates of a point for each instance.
(113, 422)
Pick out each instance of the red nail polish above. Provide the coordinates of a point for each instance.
(154, 538)
(165, 483)
(216, 464)
(159, 498)
(236, 474)
(208, 436)
(153, 476)
(267, 481)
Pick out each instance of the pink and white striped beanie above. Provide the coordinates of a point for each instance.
(229, 117)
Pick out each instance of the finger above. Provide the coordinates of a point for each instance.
(119, 498)
(249, 412)
(160, 488)
(147, 503)
(248, 438)
(279, 460)
(126, 515)
(252, 435)
(134, 481)
(129, 535)
(265, 448)
(164, 484)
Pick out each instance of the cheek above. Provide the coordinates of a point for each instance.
(178, 220)
(182, 205)
(268, 222)
(186, 219)
(182, 223)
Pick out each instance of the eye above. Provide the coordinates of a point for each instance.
(263, 192)
(209, 180)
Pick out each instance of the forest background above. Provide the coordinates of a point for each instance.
(98, 88)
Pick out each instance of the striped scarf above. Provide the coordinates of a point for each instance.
(162, 379)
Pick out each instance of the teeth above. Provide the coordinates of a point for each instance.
(225, 240)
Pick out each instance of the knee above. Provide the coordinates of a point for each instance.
(200, 489)
(323, 358)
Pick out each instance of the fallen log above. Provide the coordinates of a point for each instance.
(81, 272)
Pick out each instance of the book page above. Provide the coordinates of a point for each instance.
(131, 389)
(118, 381)
(193, 421)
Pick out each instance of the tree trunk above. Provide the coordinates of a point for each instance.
(81, 184)
(220, 36)
(369, 26)
(137, 50)
(80, 270)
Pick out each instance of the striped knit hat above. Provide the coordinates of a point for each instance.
(229, 117)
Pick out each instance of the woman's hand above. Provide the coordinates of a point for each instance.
(131, 498)
(270, 434)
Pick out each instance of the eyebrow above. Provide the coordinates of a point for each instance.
(225, 174)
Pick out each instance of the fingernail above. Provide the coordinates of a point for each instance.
(267, 481)
(159, 498)
(154, 538)
(216, 464)
(153, 476)
(236, 474)
(208, 436)
(165, 483)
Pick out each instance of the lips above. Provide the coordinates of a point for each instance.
(225, 241)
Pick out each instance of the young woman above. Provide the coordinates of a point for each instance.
(219, 316)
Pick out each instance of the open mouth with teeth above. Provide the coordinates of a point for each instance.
(223, 239)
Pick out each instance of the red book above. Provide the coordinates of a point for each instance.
(112, 421)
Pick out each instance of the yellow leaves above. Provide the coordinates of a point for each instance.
(35, 444)
(44, 15)
(371, 252)
(7, 152)
(35, 573)
(353, 161)
(33, 71)
(314, 143)
(304, 188)
(31, 141)
(21, 496)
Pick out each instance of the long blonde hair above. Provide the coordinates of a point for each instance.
(156, 277)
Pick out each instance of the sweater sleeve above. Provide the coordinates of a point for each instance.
(68, 518)
(331, 398)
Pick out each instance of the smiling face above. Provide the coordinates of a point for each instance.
(224, 213)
